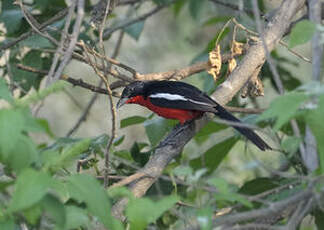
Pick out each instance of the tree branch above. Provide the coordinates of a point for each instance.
(55, 75)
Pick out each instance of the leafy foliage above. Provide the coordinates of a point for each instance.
(56, 184)
(301, 33)
(143, 211)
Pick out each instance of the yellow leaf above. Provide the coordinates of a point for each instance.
(231, 65)
(237, 48)
(215, 60)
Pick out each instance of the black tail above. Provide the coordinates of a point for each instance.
(248, 133)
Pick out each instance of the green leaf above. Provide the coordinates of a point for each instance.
(137, 155)
(234, 197)
(182, 171)
(99, 143)
(11, 126)
(225, 194)
(119, 140)
(27, 80)
(211, 127)
(45, 127)
(195, 8)
(8, 224)
(278, 108)
(135, 29)
(118, 192)
(48, 4)
(258, 185)
(12, 19)
(156, 129)
(76, 217)
(143, 211)
(5, 184)
(75, 150)
(37, 42)
(178, 5)
(291, 144)
(4, 91)
(62, 143)
(55, 162)
(16, 149)
(124, 154)
(40, 95)
(301, 33)
(220, 184)
(85, 188)
(319, 220)
(34, 124)
(204, 218)
(33, 214)
(161, 2)
(55, 209)
(131, 121)
(23, 155)
(214, 156)
(30, 188)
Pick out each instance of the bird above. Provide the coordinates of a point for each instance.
(183, 102)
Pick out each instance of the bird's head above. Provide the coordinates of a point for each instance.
(130, 91)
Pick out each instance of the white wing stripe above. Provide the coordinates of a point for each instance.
(168, 96)
(174, 97)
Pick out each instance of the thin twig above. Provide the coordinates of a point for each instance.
(123, 25)
(34, 24)
(73, 40)
(97, 89)
(113, 109)
(64, 36)
(109, 6)
(232, 6)
(83, 116)
(73, 99)
(300, 212)
(281, 42)
(254, 226)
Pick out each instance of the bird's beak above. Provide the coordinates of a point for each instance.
(121, 102)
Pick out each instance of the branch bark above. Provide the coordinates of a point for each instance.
(173, 144)
(310, 158)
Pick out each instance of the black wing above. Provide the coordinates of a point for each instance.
(184, 96)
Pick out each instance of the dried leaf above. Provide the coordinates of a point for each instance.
(231, 65)
(223, 211)
(215, 60)
(254, 88)
(237, 48)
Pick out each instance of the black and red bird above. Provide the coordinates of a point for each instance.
(181, 101)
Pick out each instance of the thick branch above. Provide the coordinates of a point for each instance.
(272, 209)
